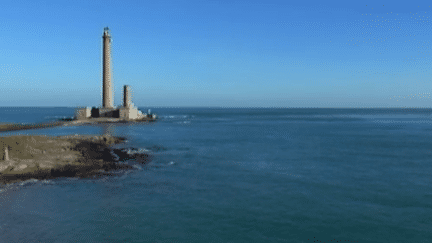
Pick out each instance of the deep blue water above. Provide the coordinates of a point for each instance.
(239, 175)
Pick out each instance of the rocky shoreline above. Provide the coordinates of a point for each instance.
(44, 157)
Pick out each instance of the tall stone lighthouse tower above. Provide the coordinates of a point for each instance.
(128, 111)
(107, 89)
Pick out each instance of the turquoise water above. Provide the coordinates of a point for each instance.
(239, 175)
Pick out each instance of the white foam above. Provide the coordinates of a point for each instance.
(47, 182)
(183, 122)
(28, 182)
(139, 151)
(137, 167)
(176, 116)
(142, 150)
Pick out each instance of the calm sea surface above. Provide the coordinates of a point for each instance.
(239, 175)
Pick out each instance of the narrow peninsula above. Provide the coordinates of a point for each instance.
(44, 157)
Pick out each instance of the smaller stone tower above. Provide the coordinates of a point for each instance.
(126, 96)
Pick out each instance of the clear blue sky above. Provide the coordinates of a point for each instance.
(218, 53)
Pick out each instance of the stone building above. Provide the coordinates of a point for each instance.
(128, 111)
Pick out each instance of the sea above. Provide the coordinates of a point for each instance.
(238, 175)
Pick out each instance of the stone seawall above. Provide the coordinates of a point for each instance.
(6, 127)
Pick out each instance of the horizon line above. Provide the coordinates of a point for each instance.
(230, 107)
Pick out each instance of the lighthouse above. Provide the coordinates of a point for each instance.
(126, 112)
(107, 89)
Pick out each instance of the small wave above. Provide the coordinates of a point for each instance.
(176, 116)
(31, 181)
(57, 117)
(137, 151)
(143, 150)
(169, 117)
(137, 167)
(47, 182)
(171, 163)
(184, 122)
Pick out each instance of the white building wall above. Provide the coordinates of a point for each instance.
(82, 113)
(130, 113)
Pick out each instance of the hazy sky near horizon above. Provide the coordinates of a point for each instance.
(218, 53)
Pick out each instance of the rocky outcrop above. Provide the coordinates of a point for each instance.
(43, 157)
